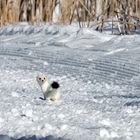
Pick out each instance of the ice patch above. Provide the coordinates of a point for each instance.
(61, 116)
(90, 59)
(28, 112)
(30, 53)
(35, 118)
(114, 135)
(116, 51)
(129, 135)
(105, 122)
(129, 110)
(15, 112)
(64, 127)
(46, 63)
(104, 133)
(38, 43)
(79, 111)
(48, 126)
(1, 120)
(15, 94)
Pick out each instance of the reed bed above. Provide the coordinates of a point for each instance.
(125, 13)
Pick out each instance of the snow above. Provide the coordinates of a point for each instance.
(99, 76)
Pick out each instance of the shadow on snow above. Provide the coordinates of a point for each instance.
(50, 137)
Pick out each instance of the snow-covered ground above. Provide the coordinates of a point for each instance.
(99, 76)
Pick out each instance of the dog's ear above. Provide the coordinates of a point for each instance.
(55, 85)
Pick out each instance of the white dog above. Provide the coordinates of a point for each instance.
(50, 91)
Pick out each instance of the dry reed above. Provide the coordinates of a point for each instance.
(125, 12)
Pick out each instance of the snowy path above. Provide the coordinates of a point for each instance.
(99, 76)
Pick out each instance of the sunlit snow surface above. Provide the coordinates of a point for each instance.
(99, 76)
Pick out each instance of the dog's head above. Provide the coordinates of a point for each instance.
(41, 79)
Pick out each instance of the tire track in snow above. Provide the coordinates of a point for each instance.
(112, 68)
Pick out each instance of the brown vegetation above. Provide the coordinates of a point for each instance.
(124, 12)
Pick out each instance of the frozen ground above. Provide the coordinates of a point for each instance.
(99, 76)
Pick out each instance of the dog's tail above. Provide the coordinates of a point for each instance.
(55, 85)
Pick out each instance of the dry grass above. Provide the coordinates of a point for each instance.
(125, 12)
